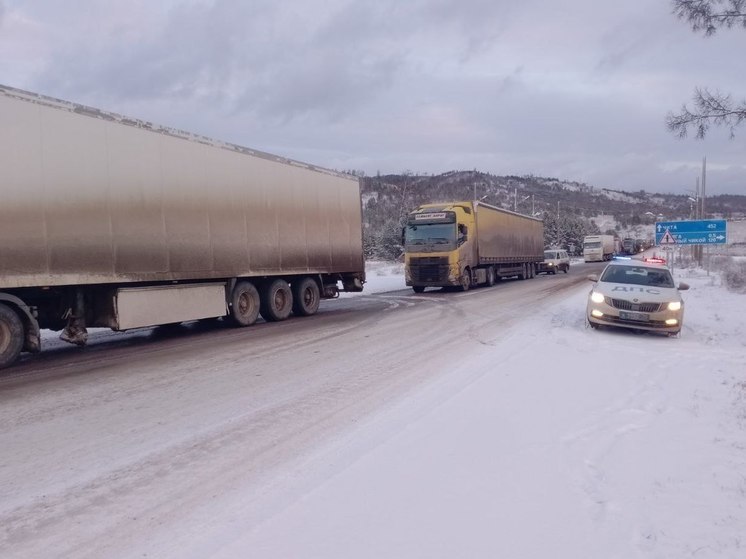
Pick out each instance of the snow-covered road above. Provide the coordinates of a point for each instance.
(490, 423)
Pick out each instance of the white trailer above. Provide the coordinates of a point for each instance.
(111, 221)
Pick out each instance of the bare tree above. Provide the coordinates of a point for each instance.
(709, 107)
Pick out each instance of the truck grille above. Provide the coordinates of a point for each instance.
(624, 305)
(429, 269)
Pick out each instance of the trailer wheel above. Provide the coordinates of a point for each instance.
(306, 297)
(276, 301)
(418, 288)
(490, 276)
(11, 336)
(244, 304)
(465, 280)
(524, 272)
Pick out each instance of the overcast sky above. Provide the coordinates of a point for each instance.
(573, 89)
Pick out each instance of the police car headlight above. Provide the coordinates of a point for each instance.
(597, 297)
(674, 306)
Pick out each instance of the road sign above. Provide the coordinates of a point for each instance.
(667, 239)
(699, 232)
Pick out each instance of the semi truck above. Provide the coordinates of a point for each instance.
(466, 244)
(598, 248)
(109, 221)
(628, 246)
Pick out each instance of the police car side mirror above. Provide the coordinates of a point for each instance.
(683, 286)
(592, 277)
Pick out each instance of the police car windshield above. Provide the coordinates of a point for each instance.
(638, 275)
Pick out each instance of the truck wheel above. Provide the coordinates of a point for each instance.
(276, 301)
(306, 297)
(418, 288)
(244, 304)
(11, 336)
(465, 280)
(490, 276)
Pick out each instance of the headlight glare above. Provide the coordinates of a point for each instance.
(597, 297)
(674, 306)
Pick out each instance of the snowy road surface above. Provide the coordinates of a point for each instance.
(490, 423)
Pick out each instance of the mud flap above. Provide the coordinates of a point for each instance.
(75, 332)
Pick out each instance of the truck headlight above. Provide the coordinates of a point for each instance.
(597, 297)
(674, 306)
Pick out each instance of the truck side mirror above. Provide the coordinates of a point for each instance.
(463, 234)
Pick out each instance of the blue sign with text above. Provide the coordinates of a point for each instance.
(699, 232)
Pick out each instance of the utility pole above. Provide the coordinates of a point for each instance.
(704, 175)
(702, 216)
(696, 249)
(559, 228)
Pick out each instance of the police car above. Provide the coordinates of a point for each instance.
(636, 294)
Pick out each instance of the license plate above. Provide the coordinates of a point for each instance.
(636, 316)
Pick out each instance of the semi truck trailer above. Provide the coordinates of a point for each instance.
(109, 221)
(466, 244)
(598, 248)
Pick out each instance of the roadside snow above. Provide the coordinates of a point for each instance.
(557, 441)
(381, 276)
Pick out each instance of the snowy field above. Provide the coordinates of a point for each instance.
(555, 442)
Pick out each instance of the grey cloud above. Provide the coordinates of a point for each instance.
(572, 90)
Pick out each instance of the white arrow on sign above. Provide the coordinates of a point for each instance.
(667, 239)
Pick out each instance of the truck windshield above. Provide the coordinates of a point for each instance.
(594, 244)
(430, 234)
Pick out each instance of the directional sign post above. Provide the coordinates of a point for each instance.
(700, 232)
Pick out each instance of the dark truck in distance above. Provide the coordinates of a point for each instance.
(109, 221)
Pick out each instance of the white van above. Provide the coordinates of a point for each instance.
(555, 260)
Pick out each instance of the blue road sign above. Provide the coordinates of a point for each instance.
(699, 232)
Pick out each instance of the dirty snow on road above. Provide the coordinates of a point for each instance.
(543, 439)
